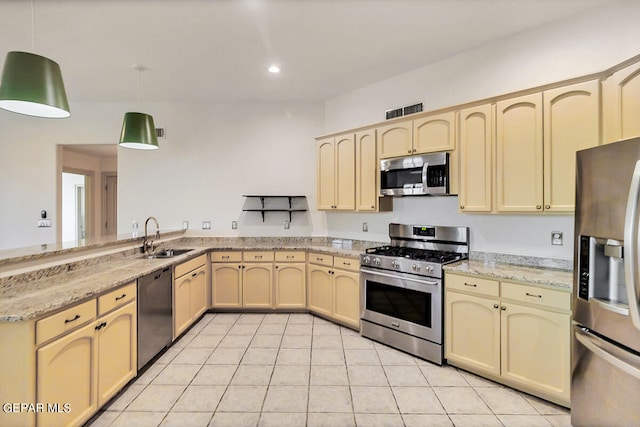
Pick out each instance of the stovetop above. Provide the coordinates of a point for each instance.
(417, 249)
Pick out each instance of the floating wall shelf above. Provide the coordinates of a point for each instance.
(264, 209)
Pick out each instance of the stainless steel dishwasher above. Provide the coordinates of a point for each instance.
(155, 314)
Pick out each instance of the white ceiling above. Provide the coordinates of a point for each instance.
(219, 50)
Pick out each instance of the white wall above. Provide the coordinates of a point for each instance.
(572, 47)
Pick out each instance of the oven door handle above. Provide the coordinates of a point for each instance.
(395, 276)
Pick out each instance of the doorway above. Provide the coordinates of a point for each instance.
(74, 206)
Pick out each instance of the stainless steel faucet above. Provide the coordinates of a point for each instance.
(146, 245)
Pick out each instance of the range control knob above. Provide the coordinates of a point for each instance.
(395, 264)
(366, 259)
(429, 269)
(415, 267)
(376, 261)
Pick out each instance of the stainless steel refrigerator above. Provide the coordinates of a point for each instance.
(605, 377)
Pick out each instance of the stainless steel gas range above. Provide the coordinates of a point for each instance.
(401, 296)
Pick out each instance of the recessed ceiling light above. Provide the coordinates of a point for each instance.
(274, 69)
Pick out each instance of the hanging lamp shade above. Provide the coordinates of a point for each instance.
(138, 132)
(32, 84)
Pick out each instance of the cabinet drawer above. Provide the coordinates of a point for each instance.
(537, 296)
(471, 284)
(226, 256)
(322, 259)
(185, 267)
(290, 256)
(58, 324)
(116, 298)
(346, 263)
(257, 256)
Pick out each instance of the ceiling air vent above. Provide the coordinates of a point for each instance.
(160, 133)
(403, 111)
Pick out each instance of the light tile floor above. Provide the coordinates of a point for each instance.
(300, 370)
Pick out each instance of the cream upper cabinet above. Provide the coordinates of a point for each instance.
(336, 173)
(426, 134)
(476, 159)
(367, 171)
(621, 104)
(571, 123)
(519, 155)
(434, 133)
(395, 140)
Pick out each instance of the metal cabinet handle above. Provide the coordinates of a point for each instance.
(495, 306)
(538, 206)
(503, 308)
(473, 285)
(100, 326)
(225, 256)
(461, 206)
(533, 295)
(346, 263)
(547, 206)
(121, 297)
(257, 256)
(290, 256)
(76, 317)
(194, 274)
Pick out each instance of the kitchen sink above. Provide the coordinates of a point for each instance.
(167, 253)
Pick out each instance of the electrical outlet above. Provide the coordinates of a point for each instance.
(185, 225)
(234, 225)
(287, 224)
(206, 225)
(556, 238)
(365, 227)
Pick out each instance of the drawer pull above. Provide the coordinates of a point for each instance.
(319, 259)
(473, 285)
(225, 256)
(100, 326)
(121, 297)
(76, 317)
(346, 263)
(395, 324)
(257, 257)
(194, 274)
(290, 256)
(533, 295)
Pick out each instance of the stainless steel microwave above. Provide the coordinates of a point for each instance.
(426, 174)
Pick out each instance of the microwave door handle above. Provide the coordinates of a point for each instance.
(425, 166)
(631, 247)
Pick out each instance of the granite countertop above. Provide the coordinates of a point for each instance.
(43, 293)
(544, 277)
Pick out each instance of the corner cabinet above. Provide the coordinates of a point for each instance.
(513, 333)
(336, 173)
(334, 288)
(621, 104)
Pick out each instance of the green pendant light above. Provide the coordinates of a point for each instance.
(32, 84)
(138, 132)
(138, 129)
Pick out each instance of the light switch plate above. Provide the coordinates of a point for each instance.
(365, 227)
(234, 225)
(287, 224)
(206, 225)
(185, 225)
(556, 238)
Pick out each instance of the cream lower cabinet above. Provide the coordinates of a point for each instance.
(334, 288)
(289, 280)
(226, 279)
(189, 293)
(81, 370)
(512, 333)
(257, 279)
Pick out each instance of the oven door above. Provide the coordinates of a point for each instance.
(404, 302)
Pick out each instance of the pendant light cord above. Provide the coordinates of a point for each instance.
(33, 25)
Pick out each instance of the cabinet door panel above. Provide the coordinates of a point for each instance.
(256, 284)
(519, 154)
(395, 140)
(434, 133)
(472, 332)
(571, 123)
(320, 290)
(198, 292)
(367, 175)
(117, 352)
(476, 159)
(345, 173)
(181, 305)
(621, 104)
(346, 297)
(67, 373)
(226, 285)
(326, 174)
(536, 349)
(290, 285)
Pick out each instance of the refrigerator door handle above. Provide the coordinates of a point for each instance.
(608, 352)
(631, 246)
